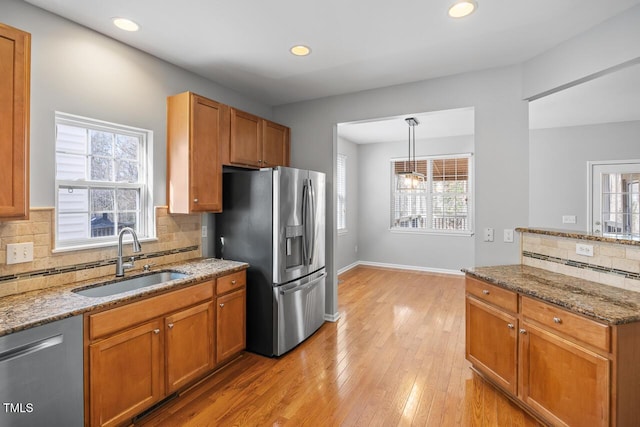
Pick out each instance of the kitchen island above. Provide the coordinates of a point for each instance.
(564, 348)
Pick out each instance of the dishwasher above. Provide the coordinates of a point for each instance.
(41, 376)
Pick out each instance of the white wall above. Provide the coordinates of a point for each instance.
(78, 71)
(607, 45)
(347, 242)
(380, 245)
(558, 168)
(501, 146)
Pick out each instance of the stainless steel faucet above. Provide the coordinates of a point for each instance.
(120, 266)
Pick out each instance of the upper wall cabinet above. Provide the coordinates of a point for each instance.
(15, 64)
(197, 127)
(256, 142)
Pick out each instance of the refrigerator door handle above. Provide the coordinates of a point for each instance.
(303, 287)
(305, 202)
(312, 216)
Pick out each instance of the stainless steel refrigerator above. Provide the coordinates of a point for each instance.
(274, 219)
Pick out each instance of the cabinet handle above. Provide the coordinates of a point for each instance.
(195, 200)
(510, 325)
(221, 305)
(523, 331)
(557, 320)
(156, 331)
(485, 291)
(170, 325)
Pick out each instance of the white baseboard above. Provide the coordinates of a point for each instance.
(401, 267)
(332, 317)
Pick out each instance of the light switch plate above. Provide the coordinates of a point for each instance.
(508, 235)
(488, 234)
(19, 252)
(582, 249)
(569, 219)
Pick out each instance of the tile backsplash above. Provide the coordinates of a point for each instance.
(612, 264)
(178, 239)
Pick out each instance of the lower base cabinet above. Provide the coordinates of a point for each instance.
(138, 354)
(566, 369)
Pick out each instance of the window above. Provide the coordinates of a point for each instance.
(342, 193)
(441, 203)
(615, 195)
(102, 181)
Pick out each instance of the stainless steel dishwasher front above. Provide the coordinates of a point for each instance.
(41, 376)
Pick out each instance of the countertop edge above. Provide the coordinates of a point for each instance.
(74, 304)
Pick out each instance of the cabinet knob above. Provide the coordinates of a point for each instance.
(485, 291)
(233, 282)
(195, 200)
(222, 305)
(523, 331)
(510, 325)
(156, 331)
(557, 320)
(170, 325)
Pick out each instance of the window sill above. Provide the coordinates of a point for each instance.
(82, 247)
(432, 232)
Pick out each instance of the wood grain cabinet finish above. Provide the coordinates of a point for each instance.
(571, 370)
(197, 128)
(256, 142)
(15, 69)
(230, 316)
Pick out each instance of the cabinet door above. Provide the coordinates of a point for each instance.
(189, 345)
(230, 324)
(564, 382)
(125, 374)
(275, 144)
(246, 139)
(491, 342)
(14, 122)
(209, 131)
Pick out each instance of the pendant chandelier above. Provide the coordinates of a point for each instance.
(410, 178)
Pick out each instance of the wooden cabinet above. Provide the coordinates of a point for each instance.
(563, 381)
(230, 316)
(189, 345)
(566, 368)
(141, 352)
(491, 342)
(256, 142)
(126, 374)
(197, 128)
(15, 66)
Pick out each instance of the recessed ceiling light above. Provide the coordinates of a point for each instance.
(300, 50)
(462, 8)
(125, 24)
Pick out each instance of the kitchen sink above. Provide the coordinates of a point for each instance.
(125, 285)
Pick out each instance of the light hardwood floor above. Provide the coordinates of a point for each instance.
(395, 357)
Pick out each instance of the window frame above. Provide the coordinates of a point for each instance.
(146, 220)
(429, 195)
(343, 194)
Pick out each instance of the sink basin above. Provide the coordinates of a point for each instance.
(125, 285)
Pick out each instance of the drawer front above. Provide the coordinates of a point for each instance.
(106, 322)
(231, 282)
(493, 294)
(575, 326)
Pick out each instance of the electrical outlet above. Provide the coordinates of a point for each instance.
(19, 252)
(569, 219)
(488, 234)
(508, 235)
(204, 231)
(582, 249)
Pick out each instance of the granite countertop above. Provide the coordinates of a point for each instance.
(30, 309)
(607, 303)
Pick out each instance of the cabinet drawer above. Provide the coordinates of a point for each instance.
(107, 322)
(493, 294)
(231, 282)
(578, 327)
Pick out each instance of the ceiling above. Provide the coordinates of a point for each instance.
(356, 45)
